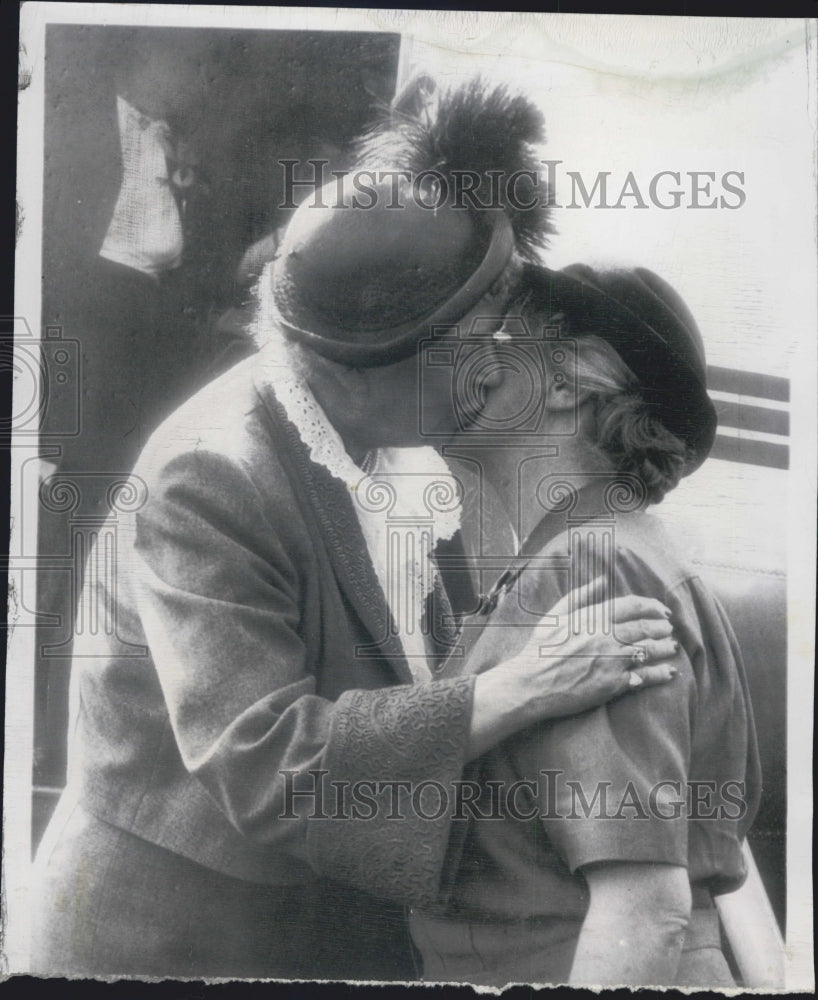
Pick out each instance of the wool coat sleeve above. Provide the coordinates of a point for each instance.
(221, 595)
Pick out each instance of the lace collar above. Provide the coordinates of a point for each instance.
(424, 486)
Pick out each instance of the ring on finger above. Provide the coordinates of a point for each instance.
(639, 656)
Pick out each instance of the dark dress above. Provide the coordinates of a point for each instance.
(668, 775)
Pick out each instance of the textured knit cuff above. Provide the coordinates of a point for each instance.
(396, 758)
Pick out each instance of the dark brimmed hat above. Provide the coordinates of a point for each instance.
(362, 286)
(391, 250)
(650, 327)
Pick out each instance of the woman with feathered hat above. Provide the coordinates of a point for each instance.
(256, 647)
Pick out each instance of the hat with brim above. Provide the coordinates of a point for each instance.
(361, 281)
(650, 327)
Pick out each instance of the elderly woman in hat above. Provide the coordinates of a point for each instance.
(259, 672)
(618, 825)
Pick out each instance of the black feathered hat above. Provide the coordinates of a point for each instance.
(396, 246)
(646, 321)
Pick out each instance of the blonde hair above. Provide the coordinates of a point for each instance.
(625, 428)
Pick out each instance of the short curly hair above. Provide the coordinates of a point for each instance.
(626, 429)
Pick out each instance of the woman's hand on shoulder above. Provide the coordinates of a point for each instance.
(585, 652)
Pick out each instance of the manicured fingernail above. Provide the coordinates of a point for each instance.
(675, 647)
(672, 671)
